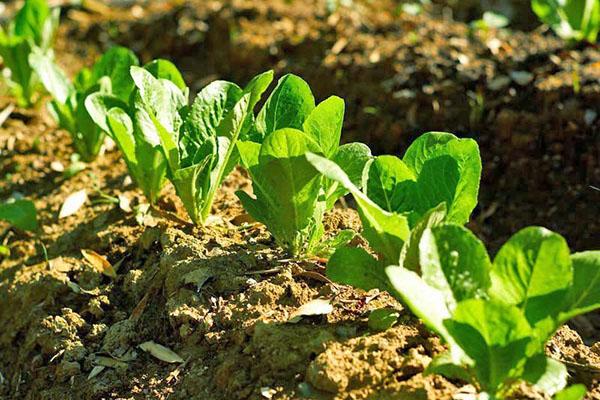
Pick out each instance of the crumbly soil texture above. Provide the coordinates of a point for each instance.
(213, 312)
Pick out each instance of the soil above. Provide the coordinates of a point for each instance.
(221, 297)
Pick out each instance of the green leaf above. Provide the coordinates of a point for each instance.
(409, 255)
(424, 301)
(165, 69)
(29, 21)
(444, 365)
(87, 137)
(546, 374)
(386, 232)
(285, 185)
(495, 336)
(352, 158)
(145, 161)
(437, 168)
(324, 124)
(327, 248)
(448, 169)
(454, 261)
(189, 181)
(570, 19)
(151, 170)
(584, 294)
(98, 105)
(15, 56)
(209, 116)
(52, 77)
(121, 128)
(49, 29)
(575, 392)
(293, 181)
(533, 270)
(160, 98)
(249, 152)
(354, 266)
(115, 64)
(389, 182)
(21, 214)
(257, 86)
(288, 106)
(226, 147)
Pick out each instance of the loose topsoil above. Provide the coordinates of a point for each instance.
(221, 296)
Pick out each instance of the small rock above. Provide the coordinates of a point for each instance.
(521, 77)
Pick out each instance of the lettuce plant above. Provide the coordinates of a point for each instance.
(437, 180)
(571, 19)
(199, 140)
(497, 316)
(110, 76)
(130, 126)
(290, 195)
(33, 28)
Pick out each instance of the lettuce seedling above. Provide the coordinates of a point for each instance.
(199, 141)
(33, 29)
(290, 196)
(577, 20)
(110, 76)
(497, 316)
(436, 168)
(130, 126)
(21, 214)
(437, 180)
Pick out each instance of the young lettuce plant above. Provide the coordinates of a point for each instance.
(290, 196)
(496, 317)
(571, 19)
(130, 126)
(33, 29)
(109, 76)
(199, 140)
(437, 180)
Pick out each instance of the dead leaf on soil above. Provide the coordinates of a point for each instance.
(73, 203)
(110, 362)
(339, 46)
(59, 264)
(314, 307)
(57, 166)
(96, 371)
(100, 263)
(140, 307)
(161, 352)
(143, 216)
(74, 287)
(241, 219)
(6, 113)
(125, 203)
(198, 277)
(78, 289)
(267, 392)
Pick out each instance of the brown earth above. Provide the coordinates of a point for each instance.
(221, 296)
